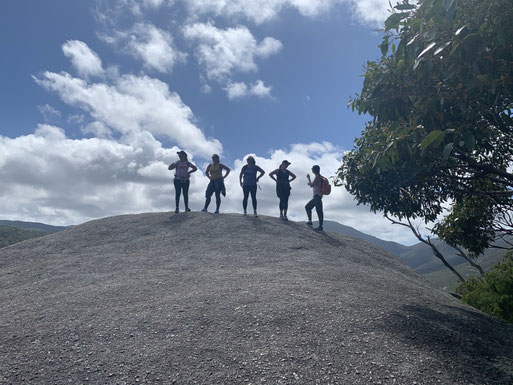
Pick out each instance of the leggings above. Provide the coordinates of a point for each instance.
(247, 190)
(317, 203)
(283, 192)
(182, 185)
(284, 202)
(214, 186)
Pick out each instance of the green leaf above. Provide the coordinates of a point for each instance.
(403, 7)
(469, 140)
(460, 30)
(442, 47)
(447, 151)
(433, 138)
(393, 20)
(429, 47)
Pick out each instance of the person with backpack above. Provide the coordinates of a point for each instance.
(283, 177)
(249, 184)
(181, 180)
(320, 186)
(214, 172)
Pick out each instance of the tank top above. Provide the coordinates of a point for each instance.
(282, 176)
(182, 170)
(215, 171)
(249, 174)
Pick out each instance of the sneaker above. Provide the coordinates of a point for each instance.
(245, 213)
(255, 214)
(187, 209)
(176, 210)
(285, 218)
(204, 210)
(319, 228)
(216, 212)
(309, 223)
(281, 216)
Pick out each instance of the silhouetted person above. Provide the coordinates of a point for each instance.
(216, 185)
(283, 177)
(182, 176)
(249, 185)
(317, 198)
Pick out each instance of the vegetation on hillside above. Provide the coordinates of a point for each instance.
(10, 235)
(493, 292)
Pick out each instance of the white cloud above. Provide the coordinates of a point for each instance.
(372, 12)
(224, 51)
(97, 129)
(86, 61)
(133, 104)
(50, 178)
(154, 46)
(49, 113)
(237, 90)
(258, 11)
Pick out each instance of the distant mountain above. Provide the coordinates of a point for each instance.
(392, 247)
(16, 231)
(419, 256)
(11, 235)
(33, 226)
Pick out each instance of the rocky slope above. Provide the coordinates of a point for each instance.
(198, 298)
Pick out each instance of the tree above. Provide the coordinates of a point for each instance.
(441, 134)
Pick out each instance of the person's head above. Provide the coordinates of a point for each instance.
(215, 158)
(250, 160)
(316, 169)
(182, 155)
(284, 164)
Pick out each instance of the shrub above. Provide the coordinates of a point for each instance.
(493, 292)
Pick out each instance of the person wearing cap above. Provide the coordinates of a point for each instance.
(214, 172)
(249, 185)
(283, 177)
(316, 201)
(182, 176)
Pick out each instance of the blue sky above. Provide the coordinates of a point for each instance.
(99, 95)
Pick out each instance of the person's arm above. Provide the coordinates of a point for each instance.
(262, 173)
(292, 175)
(223, 167)
(241, 174)
(194, 168)
(316, 181)
(207, 171)
(309, 183)
(272, 175)
(172, 166)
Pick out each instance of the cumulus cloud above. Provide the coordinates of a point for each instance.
(258, 11)
(51, 178)
(154, 46)
(134, 104)
(84, 59)
(372, 12)
(237, 90)
(224, 51)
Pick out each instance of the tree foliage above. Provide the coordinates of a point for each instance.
(441, 133)
(493, 292)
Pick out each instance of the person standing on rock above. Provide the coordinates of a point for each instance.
(249, 184)
(216, 185)
(316, 201)
(283, 177)
(182, 178)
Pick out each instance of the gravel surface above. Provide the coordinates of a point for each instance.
(199, 298)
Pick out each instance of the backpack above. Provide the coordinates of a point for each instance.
(325, 186)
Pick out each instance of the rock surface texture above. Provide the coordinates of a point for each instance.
(198, 298)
